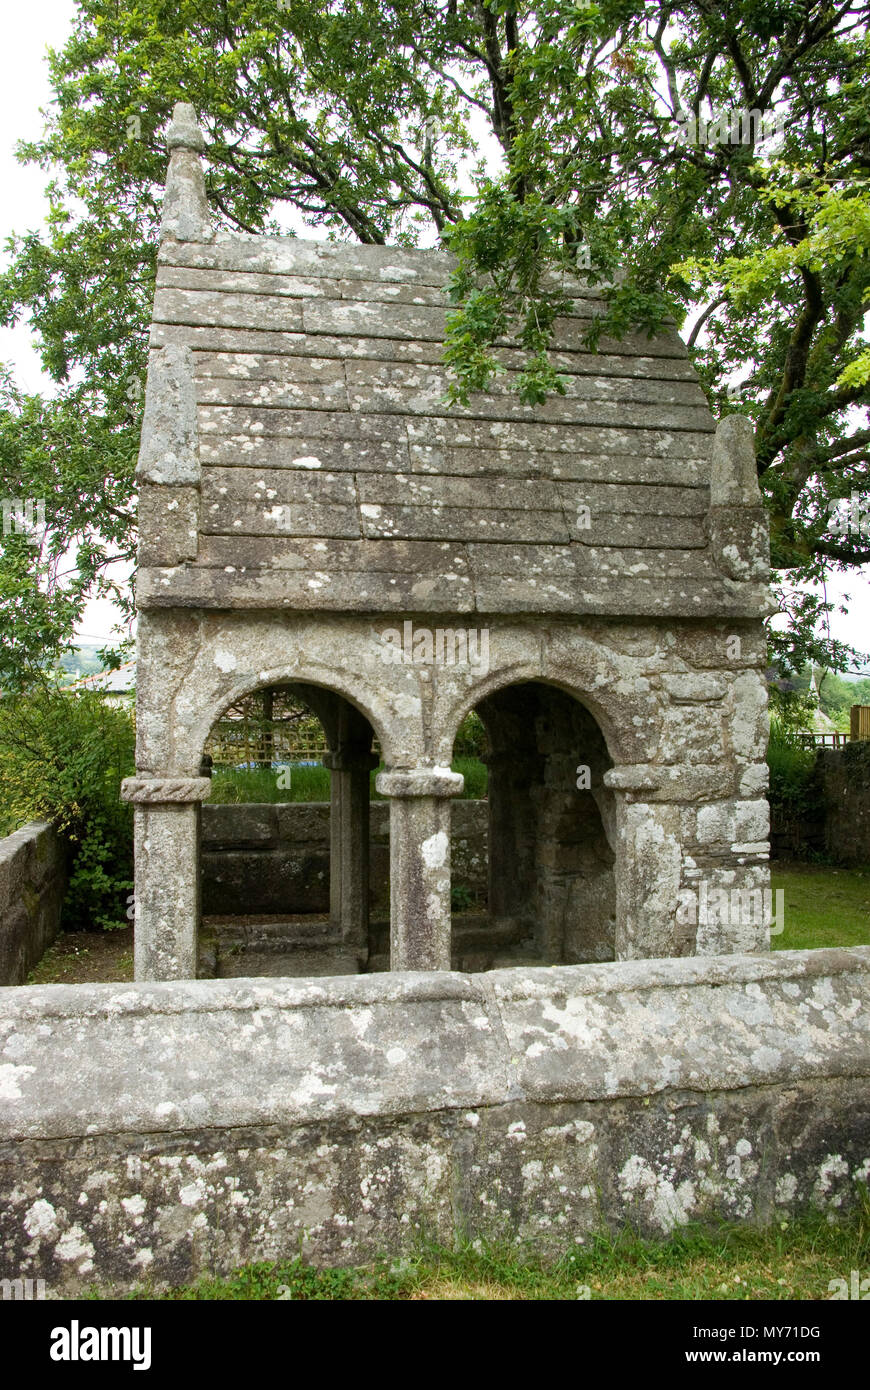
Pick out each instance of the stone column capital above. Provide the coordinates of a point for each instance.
(161, 791)
(420, 781)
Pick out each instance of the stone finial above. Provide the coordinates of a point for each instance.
(183, 132)
(734, 477)
(169, 451)
(185, 206)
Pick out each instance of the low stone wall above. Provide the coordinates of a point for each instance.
(153, 1132)
(838, 823)
(845, 779)
(33, 881)
(275, 858)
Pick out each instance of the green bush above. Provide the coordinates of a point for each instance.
(461, 897)
(475, 774)
(62, 757)
(793, 790)
(470, 741)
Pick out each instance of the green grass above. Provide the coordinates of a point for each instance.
(312, 783)
(787, 1260)
(823, 906)
(261, 785)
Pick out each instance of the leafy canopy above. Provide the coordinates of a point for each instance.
(527, 137)
(62, 758)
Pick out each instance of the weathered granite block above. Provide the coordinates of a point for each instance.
(751, 820)
(169, 524)
(350, 1117)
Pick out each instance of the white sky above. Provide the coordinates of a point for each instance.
(24, 88)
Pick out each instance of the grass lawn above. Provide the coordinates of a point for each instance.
(823, 906)
(788, 1260)
(86, 957)
(312, 783)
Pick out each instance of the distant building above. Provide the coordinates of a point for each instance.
(119, 687)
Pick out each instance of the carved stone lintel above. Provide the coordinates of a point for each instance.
(157, 791)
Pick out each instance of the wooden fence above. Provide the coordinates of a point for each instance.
(826, 740)
(260, 743)
(859, 718)
(859, 728)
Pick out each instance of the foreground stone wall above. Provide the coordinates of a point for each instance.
(266, 858)
(33, 879)
(152, 1132)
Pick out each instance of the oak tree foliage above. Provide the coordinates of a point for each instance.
(531, 138)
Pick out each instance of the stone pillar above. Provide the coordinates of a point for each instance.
(350, 765)
(648, 864)
(167, 897)
(420, 865)
(512, 831)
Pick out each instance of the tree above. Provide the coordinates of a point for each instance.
(623, 136)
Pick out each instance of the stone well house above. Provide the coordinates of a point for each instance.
(590, 575)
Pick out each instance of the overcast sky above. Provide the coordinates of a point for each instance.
(27, 31)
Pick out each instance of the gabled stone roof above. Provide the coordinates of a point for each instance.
(298, 385)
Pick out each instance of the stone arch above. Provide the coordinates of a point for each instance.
(300, 937)
(551, 834)
(186, 694)
(328, 679)
(197, 664)
(594, 678)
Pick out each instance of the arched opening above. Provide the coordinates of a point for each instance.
(285, 837)
(550, 835)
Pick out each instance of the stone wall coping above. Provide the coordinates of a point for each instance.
(35, 1002)
(33, 879)
(182, 1056)
(11, 843)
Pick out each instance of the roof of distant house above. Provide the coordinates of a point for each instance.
(112, 682)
